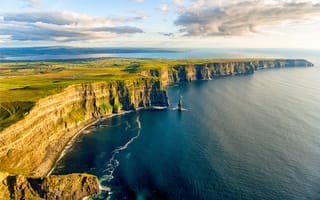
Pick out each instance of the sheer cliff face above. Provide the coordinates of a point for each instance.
(73, 186)
(32, 145)
(207, 71)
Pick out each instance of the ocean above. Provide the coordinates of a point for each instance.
(240, 137)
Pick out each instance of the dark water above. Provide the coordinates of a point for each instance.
(242, 137)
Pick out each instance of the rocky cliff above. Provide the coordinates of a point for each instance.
(210, 70)
(73, 186)
(32, 145)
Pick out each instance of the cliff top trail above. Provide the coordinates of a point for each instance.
(22, 84)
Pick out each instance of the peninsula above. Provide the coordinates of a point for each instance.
(44, 105)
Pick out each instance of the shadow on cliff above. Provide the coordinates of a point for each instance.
(11, 181)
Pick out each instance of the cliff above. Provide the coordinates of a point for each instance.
(73, 186)
(209, 70)
(32, 145)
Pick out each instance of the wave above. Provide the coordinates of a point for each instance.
(177, 108)
(113, 163)
(105, 189)
(127, 126)
(85, 129)
(158, 107)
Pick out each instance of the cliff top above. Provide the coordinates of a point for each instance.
(24, 83)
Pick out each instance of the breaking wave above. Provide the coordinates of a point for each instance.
(113, 163)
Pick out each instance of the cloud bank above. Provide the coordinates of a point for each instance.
(63, 26)
(213, 18)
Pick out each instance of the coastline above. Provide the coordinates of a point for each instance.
(79, 132)
(85, 126)
(80, 106)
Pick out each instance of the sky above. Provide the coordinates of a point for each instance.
(161, 23)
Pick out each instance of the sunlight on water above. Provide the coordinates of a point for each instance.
(243, 137)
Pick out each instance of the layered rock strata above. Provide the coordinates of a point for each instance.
(72, 186)
(209, 70)
(32, 145)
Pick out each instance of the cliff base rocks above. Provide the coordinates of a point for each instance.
(73, 186)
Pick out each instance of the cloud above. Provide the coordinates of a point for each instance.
(242, 17)
(138, 17)
(3, 39)
(34, 3)
(56, 18)
(166, 34)
(138, 1)
(164, 8)
(178, 2)
(63, 26)
(120, 29)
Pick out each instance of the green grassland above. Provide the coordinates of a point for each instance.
(23, 83)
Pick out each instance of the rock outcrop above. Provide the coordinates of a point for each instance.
(72, 186)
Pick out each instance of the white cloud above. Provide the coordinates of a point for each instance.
(3, 38)
(138, 1)
(178, 2)
(63, 26)
(210, 17)
(57, 18)
(164, 7)
(34, 3)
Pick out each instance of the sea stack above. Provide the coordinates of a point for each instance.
(180, 104)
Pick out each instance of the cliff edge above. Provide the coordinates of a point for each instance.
(209, 70)
(32, 145)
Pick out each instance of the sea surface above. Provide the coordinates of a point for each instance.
(240, 137)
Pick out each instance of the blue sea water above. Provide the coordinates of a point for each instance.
(241, 137)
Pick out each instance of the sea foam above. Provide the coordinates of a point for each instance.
(113, 163)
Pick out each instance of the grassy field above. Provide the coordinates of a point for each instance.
(23, 83)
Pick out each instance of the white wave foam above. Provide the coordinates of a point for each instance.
(113, 163)
(127, 127)
(176, 108)
(139, 123)
(90, 127)
(105, 189)
(158, 107)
